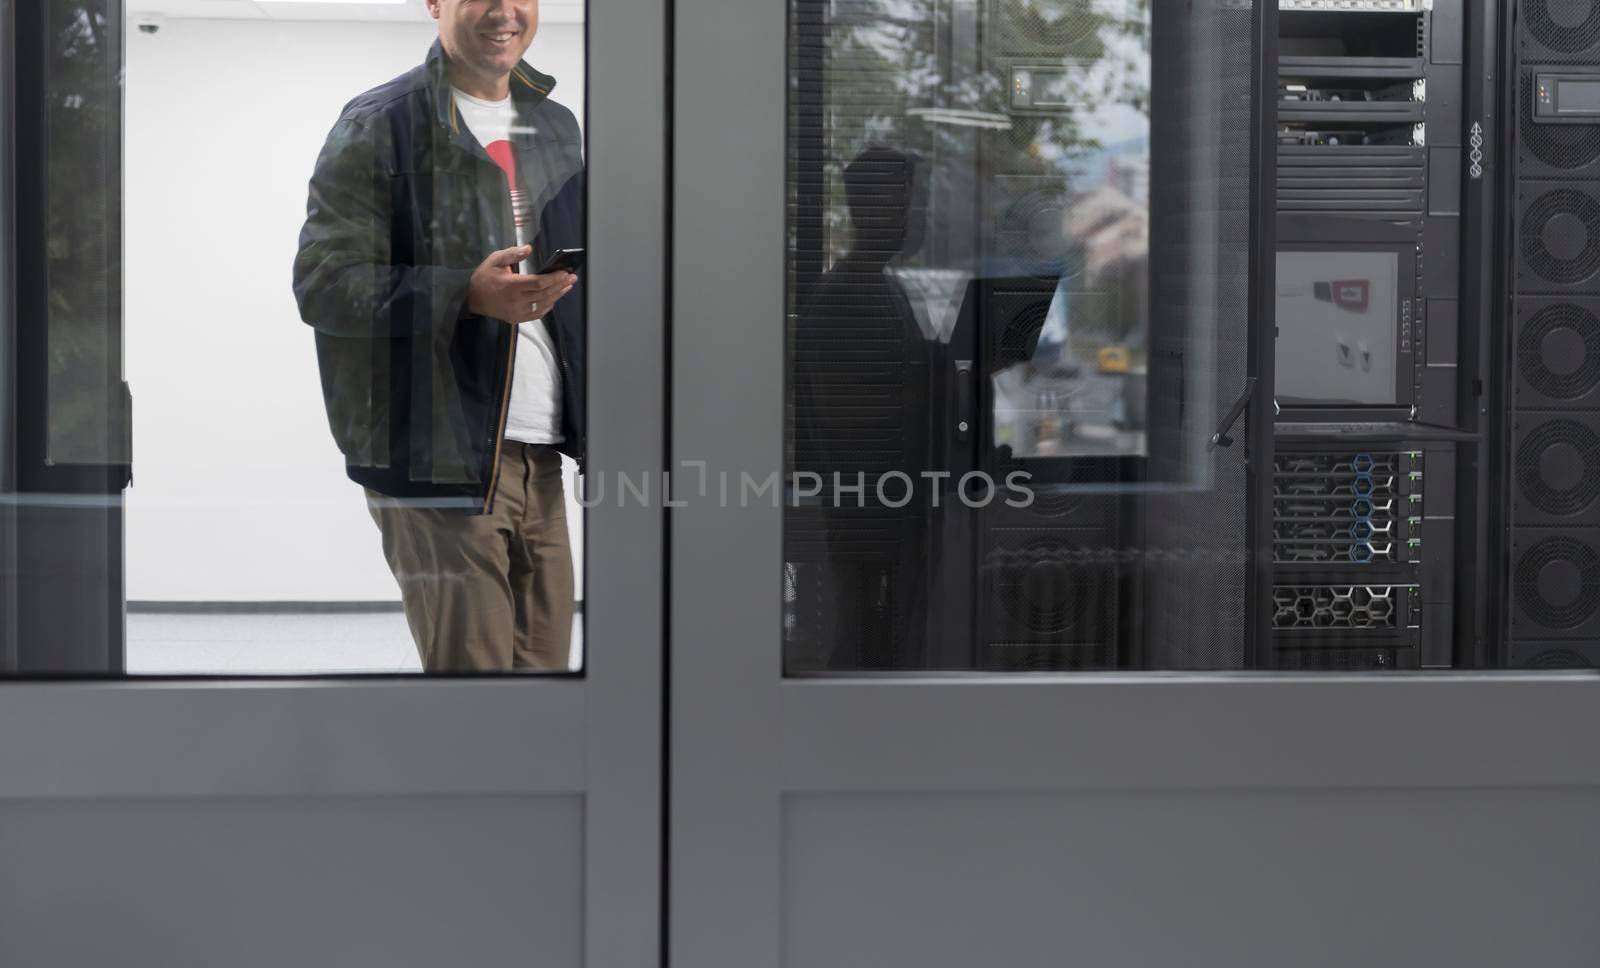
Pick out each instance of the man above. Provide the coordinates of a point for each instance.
(453, 372)
(859, 311)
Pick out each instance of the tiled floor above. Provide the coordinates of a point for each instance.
(168, 644)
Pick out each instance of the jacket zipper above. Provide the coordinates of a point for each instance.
(505, 397)
(500, 427)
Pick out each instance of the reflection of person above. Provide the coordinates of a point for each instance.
(452, 374)
(860, 385)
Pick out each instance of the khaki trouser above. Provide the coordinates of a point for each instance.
(487, 592)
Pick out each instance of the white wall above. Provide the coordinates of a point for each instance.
(239, 492)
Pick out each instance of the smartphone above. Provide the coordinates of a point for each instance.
(569, 259)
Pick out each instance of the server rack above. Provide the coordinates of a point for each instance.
(1549, 431)
(1368, 478)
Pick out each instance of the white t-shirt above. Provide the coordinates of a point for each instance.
(534, 416)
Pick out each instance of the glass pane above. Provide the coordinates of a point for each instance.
(86, 417)
(977, 343)
(1065, 392)
(353, 321)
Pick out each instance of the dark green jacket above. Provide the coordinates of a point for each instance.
(404, 204)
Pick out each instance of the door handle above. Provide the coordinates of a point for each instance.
(1221, 438)
(963, 399)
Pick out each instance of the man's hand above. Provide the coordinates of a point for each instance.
(499, 292)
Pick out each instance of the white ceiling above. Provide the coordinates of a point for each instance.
(413, 11)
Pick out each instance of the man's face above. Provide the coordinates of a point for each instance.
(486, 37)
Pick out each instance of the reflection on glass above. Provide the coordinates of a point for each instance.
(87, 410)
(997, 416)
(332, 272)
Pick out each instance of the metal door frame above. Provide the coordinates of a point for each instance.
(595, 735)
(743, 739)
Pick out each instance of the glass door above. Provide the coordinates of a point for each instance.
(974, 523)
(280, 223)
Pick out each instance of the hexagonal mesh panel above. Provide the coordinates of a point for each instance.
(1542, 574)
(1565, 319)
(1335, 507)
(1335, 607)
(1536, 254)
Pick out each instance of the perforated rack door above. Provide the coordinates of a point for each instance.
(1559, 237)
(1558, 353)
(1555, 584)
(1556, 466)
(1559, 31)
(1553, 150)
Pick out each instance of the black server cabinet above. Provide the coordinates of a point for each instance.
(1551, 439)
(1372, 434)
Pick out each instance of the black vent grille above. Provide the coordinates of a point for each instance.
(1336, 606)
(1557, 583)
(1056, 586)
(1560, 238)
(1049, 28)
(1558, 351)
(1056, 505)
(1077, 493)
(1562, 30)
(1558, 658)
(1558, 467)
(1334, 659)
(1027, 223)
(1022, 316)
(1374, 180)
(1554, 149)
(1570, 654)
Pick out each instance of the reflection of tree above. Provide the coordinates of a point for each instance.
(884, 70)
(83, 222)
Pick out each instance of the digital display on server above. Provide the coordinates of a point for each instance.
(1569, 98)
(1338, 323)
(1578, 96)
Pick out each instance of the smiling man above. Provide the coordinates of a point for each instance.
(452, 371)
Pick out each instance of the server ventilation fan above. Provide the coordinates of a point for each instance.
(1557, 582)
(1049, 27)
(1558, 351)
(1561, 236)
(1050, 588)
(1558, 467)
(1564, 28)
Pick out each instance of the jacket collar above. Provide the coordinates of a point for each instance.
(528, 88)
